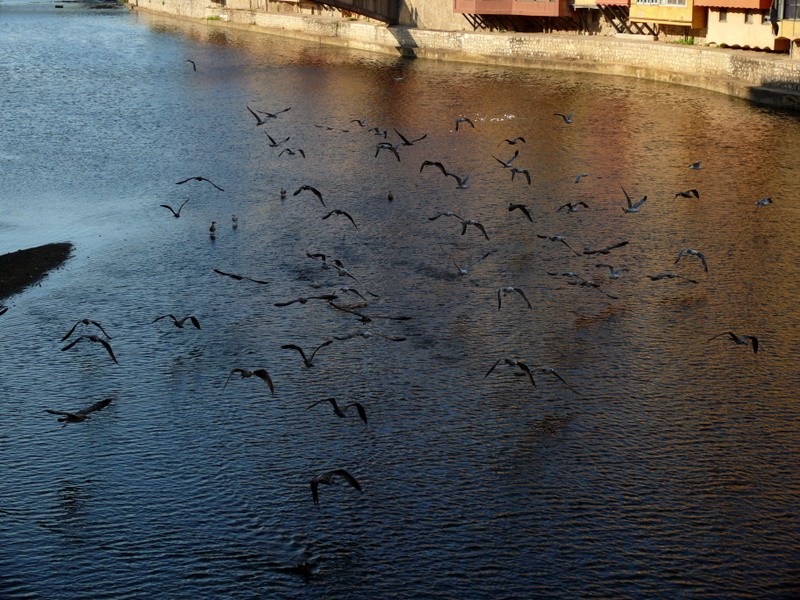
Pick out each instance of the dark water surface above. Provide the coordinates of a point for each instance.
(673, 472)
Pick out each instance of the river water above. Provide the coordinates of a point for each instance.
(667, 464)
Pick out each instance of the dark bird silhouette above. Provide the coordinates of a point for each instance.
(668, 275)
(507, 164)
(307, 361)
(198, 178)
(477, 224)
(580, 176)
(519, 171)
(389, 147)
(4, 310)
(339, 412)
(82, 322)
(361, 122)
(466, 120)
(337, 211)
(367, 335)
(633, 207)
(351, 291)
(291, 152)
(273, 143)
(179, 323)
(522, 208)
(311, 189)
(512, 141)
(612, 272)
(572, 207)
(513, 363)
(742, 340)
(407, 142)
(567, 118)
(340, 269)
(367, 318)
(327, 479)
(558, 238)
(581, 282)
(274, 115)
(245, 374)
(175, 213)
(696, 254)
(434, 163)
(509, 289)
(763, 202)
(305, 299)
(461, 181)
(693, 193)
(240, 277)
(379, 132)
(81, 415)
(95, 339)
(607, 249)
(550, 371)
(191, 62)
(444, 214)
(259, 120)
(696, 165)
(464, 270)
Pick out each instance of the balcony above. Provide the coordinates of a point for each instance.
(683, 13)
(521, 8)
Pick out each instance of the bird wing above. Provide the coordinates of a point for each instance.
(322, 345)
(315, 491)
(262, 374)
(259, 120)
(754, 340)
(94, 407)
(194, 321)
(59, 412)
(432, 163)
(402, 137)
(640, 202)
(107, 346)
(172, 210)
(298, 348)
(497, 362)
(347, 477)
(703, 260)
(231, 275)
(346, 214)
(482, 230)
(361, 412)
(527, 175)
(237, 370)
(524, 210)
(289, 303)
(524, 297)
(527, 370)
(184, 180)
(272, 142)
(627, 197)
(69, 333)
(212, 183)
(476, 261)
(261, 281)
(163, 317)
(73, 342)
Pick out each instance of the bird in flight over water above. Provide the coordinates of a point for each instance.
(508, 290)
(327, 479)
(179, 323)
(307, 361)
(246, 374)
(567, 117)
(695, 253)
(240, 277)
(513, 363)
(693, 193)
(194, 65)
(80, 415)
(95, 339)
(466, 120)
(742, 340)
(339, 412)
(199, 178)
(175, 213)
(312, 189)
(85, 322)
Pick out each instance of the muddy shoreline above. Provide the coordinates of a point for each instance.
(23, 268)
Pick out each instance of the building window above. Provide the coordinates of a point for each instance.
(791, 10)
(646, 1)
(673, 2)
(748, 16)
(723, 15)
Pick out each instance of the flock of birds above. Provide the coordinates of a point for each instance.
(354, 301)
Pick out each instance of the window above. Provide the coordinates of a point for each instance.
(673, 2)
(748, 16)
(723, 16)
(791, 10)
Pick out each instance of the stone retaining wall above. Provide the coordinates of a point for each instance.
(764, 78)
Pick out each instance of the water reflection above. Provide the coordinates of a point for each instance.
(673, 471)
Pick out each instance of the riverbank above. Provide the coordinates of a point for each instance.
(23, 268)
(770, 79)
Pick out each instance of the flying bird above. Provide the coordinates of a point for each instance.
(580, 176)
(550, 371)
(273, 143)
(567, 118)
(179, 323)
(305, 299)
(668, 275)
(367, 335)
(194, 65)
(198, 178)
(633, 207)
(507, 290)
(291, 152)
(81, 415)
(558, 238)
(518, 171)
(513, 363)
(259, 120)
(477, 224)
(434, 163)
(361, 122)
(379, 132)
(693, 193)
(612, 272)
(327, 479)
(461, 181)
(95, 339)
(607, 249)
(581, 282)
(742, 340)
(406, 141)
(274, 115)
(523, 208)
(464, 270)
(81, 322)
(311, 189)
(572, 207)
(695, 253)
(339, 412)
(366, 318)
(696, 165)
(240, 277)
(175, 213)
(512, 141)
(507, 163)
(763, 202)
(245, 374)
(307, 361)
(387, 146)
(337, 211)
(466, 120)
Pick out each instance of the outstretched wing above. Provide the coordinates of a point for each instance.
(497, 362)
(524, 297)
(298, 348)
(347, 477)
(527, 370)
(361, 412)
(262, 374)
(322, 345)
(231, 275)
(94, 407)
(107, 346)
(69, 333)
